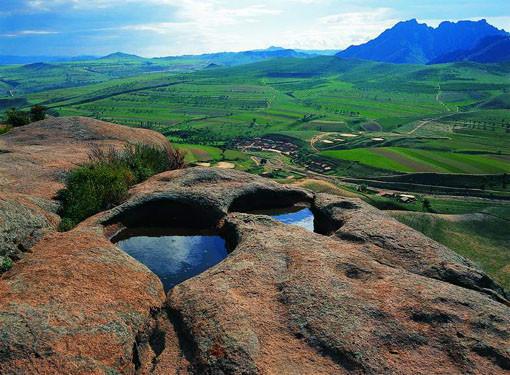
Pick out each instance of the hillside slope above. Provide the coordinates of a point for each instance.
(493, 49)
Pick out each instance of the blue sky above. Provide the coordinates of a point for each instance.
(174, 27)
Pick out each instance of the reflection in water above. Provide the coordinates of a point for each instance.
(173, 256)
(296, 215)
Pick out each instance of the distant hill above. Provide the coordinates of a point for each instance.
(491, 49)
(244, 57)
(120, 55)
(411, 42)
(319, 52)
(204, 60)
(499, 102)
(38, 66)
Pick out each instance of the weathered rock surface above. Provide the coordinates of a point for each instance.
(33, 158)
(74, 306)
(398, 245)
(24, 220)
(33, 162)
(287, 301)
(367, 296)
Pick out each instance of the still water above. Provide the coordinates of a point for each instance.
(174, 256)
(296, 215)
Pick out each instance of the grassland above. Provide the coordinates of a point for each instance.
(482, 238)
(209, 155)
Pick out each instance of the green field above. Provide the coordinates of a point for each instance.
(484, 237)
(195, 153)
(371, 118)
(415, 160)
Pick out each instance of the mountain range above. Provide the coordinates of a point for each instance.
(218, 58)
(410, 42)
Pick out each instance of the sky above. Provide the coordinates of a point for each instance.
(176, 27)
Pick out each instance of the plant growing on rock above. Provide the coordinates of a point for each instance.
(91, 189)
(16, 118)
(145, 161)
(104, 181)
(5, 264)
(4, 128)
(37, 113)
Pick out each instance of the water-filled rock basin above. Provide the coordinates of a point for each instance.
(173, 255)
(296, 215)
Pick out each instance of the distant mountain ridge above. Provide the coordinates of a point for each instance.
(219, 58)
(244, 57)
(410, 42)
(120, 55)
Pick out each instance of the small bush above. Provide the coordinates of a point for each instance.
(37, 113)
(427, 205)
(105, 180)
(5, 264)
(93, 188)
(142, 160)
(16, 118)
(4, 129)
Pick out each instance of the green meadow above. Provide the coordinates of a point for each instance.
(416, 160)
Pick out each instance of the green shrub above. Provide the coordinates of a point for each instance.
(16, 118)
(5, 264)
(37, 113)
(427, 205)
(66, 224)
(4, 129)
(145, 161)
(104, 181)
(142, 160)
(91, 189)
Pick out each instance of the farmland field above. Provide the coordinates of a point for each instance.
(414, 160)
(369, 118)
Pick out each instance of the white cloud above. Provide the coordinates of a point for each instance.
(211, 26)
(206, 26)
(28, 33)
(197, 26)
(211, 13)
(338, 31)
